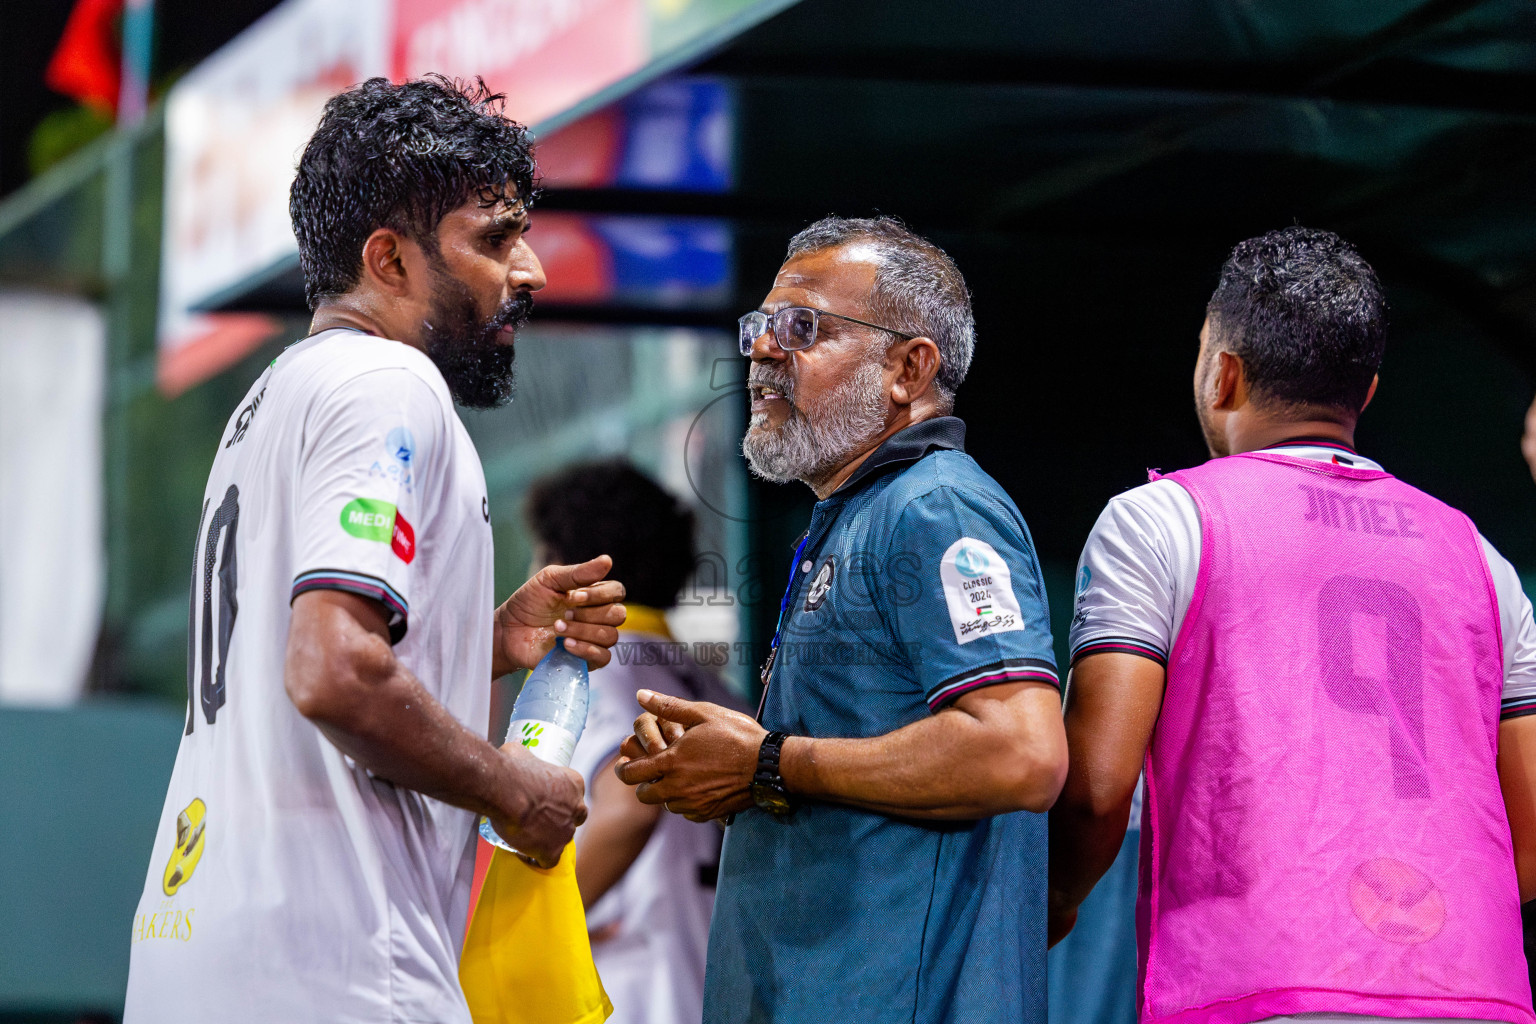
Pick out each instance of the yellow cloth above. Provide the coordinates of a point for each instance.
(527, 959)
(642, 618)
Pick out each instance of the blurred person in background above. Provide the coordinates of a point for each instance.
(314, 857)
(647, 878)
(876, 868)
(1330, 678)
(1528, 442)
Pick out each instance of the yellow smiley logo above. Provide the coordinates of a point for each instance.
(190, 837)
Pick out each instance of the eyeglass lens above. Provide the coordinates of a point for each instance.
(751, 327)
(794, 329)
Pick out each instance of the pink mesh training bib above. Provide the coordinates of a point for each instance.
(1323, 829)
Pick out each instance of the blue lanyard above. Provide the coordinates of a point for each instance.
(789, 589)
(778, 628)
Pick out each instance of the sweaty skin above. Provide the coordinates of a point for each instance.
(340, 670)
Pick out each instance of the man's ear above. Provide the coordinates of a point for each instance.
(384, 261)
(1231, 382)
(1375, 380)
(917, 364)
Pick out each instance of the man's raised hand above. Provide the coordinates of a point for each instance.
(577, 602)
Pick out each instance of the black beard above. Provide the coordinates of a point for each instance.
(477, 369)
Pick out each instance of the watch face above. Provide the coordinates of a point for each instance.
(772, 800)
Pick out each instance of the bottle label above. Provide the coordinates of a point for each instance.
(544, 740)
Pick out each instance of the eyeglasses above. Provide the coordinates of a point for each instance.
(794, 327)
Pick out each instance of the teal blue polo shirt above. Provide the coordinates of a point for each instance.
(917, 583)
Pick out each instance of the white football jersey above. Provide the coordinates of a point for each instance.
(287, 883)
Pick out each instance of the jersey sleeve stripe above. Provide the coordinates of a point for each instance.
(1010, 670)
(361, 584)
(1517, 707)
(1119, 645)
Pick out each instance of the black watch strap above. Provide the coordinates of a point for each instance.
(768, 760)
(768, 789)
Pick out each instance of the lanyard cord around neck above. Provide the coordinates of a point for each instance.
(789, 588)
(778, 629)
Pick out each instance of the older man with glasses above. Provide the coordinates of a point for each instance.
(885, 853)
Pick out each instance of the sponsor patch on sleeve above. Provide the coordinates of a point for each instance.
(403, 542)
(978, 590)
(369, 519)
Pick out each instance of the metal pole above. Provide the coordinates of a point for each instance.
(138, 52)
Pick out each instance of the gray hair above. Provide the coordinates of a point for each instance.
(918, 289)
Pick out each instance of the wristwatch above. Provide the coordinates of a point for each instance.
(768, 790)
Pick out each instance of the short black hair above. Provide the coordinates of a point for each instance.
(400, 157)
(609, 507)
(1306, 315)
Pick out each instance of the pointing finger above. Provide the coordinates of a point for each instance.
(684, 712)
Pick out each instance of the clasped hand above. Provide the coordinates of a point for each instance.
(694, 758)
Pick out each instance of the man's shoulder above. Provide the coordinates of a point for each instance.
(350, 359)
(1160, 499)
(945, 474)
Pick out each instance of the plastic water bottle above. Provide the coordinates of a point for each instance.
(548, 717)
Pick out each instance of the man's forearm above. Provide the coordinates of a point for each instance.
(1084, 844)
(1112, 705)
(394, 728)
(989, 756)
(616, 833)
(1517, 780)
(402, 734)
(346, 680)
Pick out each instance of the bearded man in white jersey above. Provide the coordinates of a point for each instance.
(316, 849)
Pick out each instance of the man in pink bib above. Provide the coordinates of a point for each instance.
(1329, 678)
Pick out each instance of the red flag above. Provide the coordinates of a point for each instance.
(88, 63)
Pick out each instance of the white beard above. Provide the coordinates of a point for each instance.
(810, 445)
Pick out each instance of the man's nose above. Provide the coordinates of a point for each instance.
(526, 270)
(766, 348)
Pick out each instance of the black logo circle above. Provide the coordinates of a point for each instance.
(821, 585)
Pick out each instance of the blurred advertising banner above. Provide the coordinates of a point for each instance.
(678, 135)
(546, 55)
(234, 128)
(236, 124)
(633, 261)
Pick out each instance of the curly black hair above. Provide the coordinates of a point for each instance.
(1307, 316)
(609, 507)
(400, 157)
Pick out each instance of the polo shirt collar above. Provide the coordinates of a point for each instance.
(906, 446)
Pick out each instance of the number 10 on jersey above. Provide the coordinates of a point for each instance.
(215, 578)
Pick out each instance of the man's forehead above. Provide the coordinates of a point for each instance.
(508, 210)
(844, 273)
